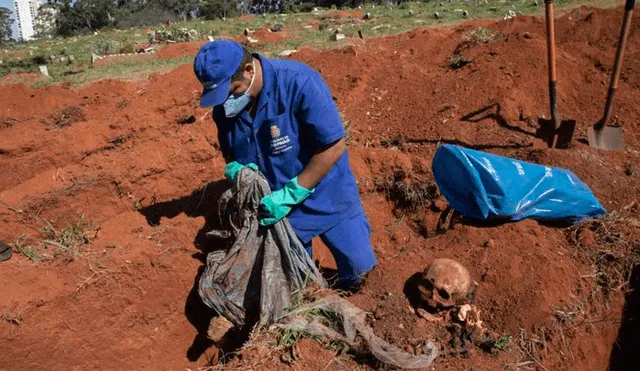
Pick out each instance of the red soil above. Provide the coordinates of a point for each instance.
(265, 35)
(128, 301)
(178, 50)
(342, 14)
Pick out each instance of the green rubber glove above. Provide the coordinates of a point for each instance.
(276, 205)
(233, 167)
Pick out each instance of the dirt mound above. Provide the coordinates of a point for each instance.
(108, 210)
(21, 102)
(592, 26)
(177, 50)
(265, 35)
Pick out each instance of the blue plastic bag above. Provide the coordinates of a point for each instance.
(484, 186)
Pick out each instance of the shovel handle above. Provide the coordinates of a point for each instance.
(551, 60)
(617, 66)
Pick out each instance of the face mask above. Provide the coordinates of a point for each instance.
(234, 105)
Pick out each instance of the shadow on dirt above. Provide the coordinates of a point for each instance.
(477, 147)
(411, 290)
(489, 112)
(493, 111)
(450, 217)
(625, 353)
(493, 223)
(201, 203)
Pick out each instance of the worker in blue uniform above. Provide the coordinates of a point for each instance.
(278, 116)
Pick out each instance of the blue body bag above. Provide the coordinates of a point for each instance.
(484, 186)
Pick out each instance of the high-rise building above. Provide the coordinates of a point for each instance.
(26, 13)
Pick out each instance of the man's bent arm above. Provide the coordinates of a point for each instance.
(321, 163)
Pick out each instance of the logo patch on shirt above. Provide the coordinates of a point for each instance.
(279, 143)
(275, 132)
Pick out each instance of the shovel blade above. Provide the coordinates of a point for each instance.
(559, 138)
(609, 138)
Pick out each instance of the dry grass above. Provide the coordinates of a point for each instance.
(611, 245)
(480, 35)
(66, 242)
(12, 318)
(268, 346)
(65, 117)
(97, 274)
(22, 246)
(534, 345)
(405, 192)
(70, 240)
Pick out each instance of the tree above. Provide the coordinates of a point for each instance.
(94, 14)
(5, 25)
(45, 25)
(218, 9)
(149, 15)
(180, 7)
(84, 15)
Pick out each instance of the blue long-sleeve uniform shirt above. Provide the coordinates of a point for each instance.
(296, 116)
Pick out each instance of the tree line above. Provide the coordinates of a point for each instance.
(70, 18)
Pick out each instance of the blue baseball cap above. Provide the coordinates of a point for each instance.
(215, 65)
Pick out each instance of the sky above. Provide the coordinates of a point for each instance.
(9, 4)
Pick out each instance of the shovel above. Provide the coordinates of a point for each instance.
(555, 133)
(600, 135)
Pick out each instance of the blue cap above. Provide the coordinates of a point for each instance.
(215, 65)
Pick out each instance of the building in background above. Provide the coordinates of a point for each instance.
(26, 13)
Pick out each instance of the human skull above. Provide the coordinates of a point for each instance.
(445, 283)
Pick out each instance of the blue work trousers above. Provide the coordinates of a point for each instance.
(350, 245)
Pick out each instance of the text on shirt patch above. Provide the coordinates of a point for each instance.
(279, 144)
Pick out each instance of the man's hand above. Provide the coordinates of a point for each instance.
(276, 205)
(233, 167)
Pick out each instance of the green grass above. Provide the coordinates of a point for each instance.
(502, 342)
(68, 241)
(385, 21)
(26, 250)
(125, 70)
(54, 243)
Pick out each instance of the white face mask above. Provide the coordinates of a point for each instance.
(234, 105)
